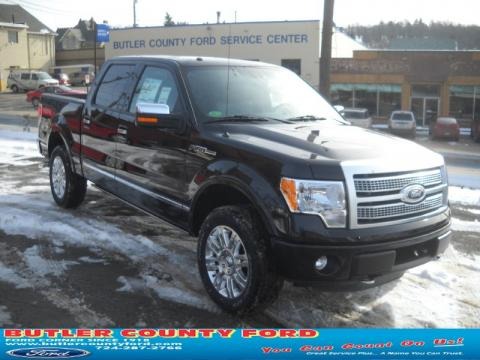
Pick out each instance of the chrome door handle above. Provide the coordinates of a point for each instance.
(122, 130)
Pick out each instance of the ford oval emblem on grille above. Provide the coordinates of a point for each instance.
(412, 194)
(50, 353)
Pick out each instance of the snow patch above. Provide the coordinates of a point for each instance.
(39, 218)
(464, 196)
(42, 266)
(166, 290)
(5, 318)
(18, 148)
(9, 276)
(90, 260)
(466, 226)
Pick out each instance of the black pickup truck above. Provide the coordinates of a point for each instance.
(253, 161)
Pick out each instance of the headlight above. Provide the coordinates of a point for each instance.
(323, 198)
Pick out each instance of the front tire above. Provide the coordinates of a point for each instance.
(234, 262)
(68, 189)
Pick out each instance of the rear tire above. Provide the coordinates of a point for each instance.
(234, 261)
(68, 189)
(14, 88)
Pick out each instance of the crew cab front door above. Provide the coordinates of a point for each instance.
(152, 157)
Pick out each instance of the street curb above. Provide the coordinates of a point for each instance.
(457, 156)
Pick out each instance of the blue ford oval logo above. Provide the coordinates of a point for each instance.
(412, 194)
(48, 353)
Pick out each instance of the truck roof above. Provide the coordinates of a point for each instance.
(194, 60)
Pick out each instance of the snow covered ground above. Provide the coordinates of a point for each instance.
(106, 264)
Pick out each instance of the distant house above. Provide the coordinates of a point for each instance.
(25, 42)
(76, 45)
(81, 36)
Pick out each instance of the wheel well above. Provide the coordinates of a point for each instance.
(53, 141)
(216, 196)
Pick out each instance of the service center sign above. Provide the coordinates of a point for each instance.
(253, 41)
(256, 39)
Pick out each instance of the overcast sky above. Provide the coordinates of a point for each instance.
(65, 13)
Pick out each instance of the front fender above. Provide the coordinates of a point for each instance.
(261, 193)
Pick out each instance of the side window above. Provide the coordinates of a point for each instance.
(157, 86)
(25, 76)
(34, 77)
(112, 90)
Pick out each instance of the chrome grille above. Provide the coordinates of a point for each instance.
(393, 183)
(376, 199)
(398, 209)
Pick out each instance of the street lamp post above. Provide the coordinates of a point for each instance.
(135, 13)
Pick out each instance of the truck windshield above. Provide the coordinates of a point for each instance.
(254, 91)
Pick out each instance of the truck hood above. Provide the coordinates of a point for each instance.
(326, 141)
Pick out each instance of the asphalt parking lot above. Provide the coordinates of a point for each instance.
(108, 265)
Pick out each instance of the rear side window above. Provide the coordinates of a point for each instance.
(112, 92)
(25, 76)
(447, 121)
(402, 116)
(157, 86)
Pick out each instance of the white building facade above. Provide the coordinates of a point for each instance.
(293, 44)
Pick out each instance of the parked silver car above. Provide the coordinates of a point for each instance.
(358, 117)
(402, 123)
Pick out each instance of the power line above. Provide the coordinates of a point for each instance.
(40, 8)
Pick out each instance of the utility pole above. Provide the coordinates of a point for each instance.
(326, 54)
(135, 13)
(95, 30)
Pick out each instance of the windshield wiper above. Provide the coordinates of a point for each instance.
(306, 118)
(245, 118)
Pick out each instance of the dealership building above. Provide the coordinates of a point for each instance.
(429, 83)
(293, 44)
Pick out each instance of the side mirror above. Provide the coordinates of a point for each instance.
(158, 115)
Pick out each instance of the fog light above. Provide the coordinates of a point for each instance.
(321, 263)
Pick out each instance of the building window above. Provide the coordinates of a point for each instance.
(465, 102)
(366, 97)
(389, 99)
(379, 99)
(293, 64)
(13, 37)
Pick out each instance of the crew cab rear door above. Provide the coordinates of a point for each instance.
(100, 123)
(152, 154)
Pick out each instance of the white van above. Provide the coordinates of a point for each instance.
(29, 80)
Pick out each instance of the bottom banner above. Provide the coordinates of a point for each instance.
(211, 344)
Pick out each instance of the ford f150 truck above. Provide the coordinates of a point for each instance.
(252, 160)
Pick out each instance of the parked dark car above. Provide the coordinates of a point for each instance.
(248, 157)
(62, 78)
(81, 79)
(445, 128)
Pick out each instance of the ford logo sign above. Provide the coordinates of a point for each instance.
(412, 194)
(48, 353)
